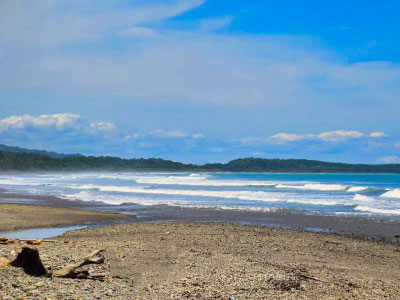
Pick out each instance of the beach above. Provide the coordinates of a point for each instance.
(211, 261)
(172, 252)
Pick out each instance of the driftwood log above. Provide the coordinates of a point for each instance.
(96, 257)
(30, 261)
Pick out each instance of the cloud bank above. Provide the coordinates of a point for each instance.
(330, 136)
(71, 133)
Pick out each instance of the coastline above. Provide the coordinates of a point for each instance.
(175, 253)
(28, 212)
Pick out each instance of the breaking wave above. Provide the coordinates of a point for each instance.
(378, 210)
(192, 182)
(392, 194)
(358, 197)
(314, 186)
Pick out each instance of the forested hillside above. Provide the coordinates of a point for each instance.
(22, 161)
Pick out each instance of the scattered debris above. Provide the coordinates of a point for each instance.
(30, 261)
(5, 241)
(31, 242)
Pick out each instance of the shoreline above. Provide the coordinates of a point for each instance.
(61, 212)
(181, 253)
(16, 217)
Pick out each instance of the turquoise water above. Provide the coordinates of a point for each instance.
(338, 194)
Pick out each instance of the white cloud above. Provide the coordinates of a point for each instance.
(106, 126)
(392, 159)
(134, 136)
(339, 135)
(377, 134)
(198, 136)
(47, 127)
(397, 145)
(329, 136)
(167, 134)
(57, 121)
(287, 137)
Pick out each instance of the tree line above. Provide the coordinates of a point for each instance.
(22, 161)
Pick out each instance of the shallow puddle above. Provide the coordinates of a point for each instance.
(38, 233)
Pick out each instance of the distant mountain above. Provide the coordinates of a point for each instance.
(24, 161)
(34, 151)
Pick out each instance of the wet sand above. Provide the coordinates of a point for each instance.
(383, 229)
(22, 216)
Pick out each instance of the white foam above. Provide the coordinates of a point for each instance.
(342, 213)
(392, 194)
(314, 186)
(355, 189)
(118, 200)
(378, 210)
(17, 181)
(87, 196)
(191, 181)
(358, 197)
(196, 175)
(243, 195)
(135, 176)
(316, 202)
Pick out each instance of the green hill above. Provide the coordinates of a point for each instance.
(19, 149)
(22, 161)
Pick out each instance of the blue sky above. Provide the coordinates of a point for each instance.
(202, 80)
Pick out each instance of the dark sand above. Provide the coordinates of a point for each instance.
(212, 261)
(383, 230)
(21, 216)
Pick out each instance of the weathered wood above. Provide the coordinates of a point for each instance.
(96, 257)
(30, 261)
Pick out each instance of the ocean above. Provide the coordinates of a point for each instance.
(374, 195)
